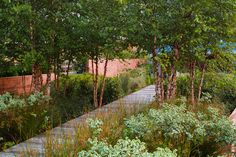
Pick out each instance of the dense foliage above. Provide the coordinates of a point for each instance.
(219, 86)
(181, 35)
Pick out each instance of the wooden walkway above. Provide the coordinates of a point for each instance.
(36, 144)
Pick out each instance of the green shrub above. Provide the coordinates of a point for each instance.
(221, 87)
(74, 97)
(177, 128)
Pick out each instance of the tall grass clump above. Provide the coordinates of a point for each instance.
(24, 117)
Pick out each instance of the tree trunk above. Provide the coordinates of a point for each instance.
(173, 83)
(103, 82)
(162, 87)
(95, 82)
(192, 75)
(58, 75)
(174, 72)
(169, 87)
(93, 73)
(155, 70)
(55, 74)
(68, 66)
(201, 81)
(161, 78)
(48, 82)
(37, 80)
(67, 74)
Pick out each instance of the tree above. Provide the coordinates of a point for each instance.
(101, 35)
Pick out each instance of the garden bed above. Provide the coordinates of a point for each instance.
(172, 129)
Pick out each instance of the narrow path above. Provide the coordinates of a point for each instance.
(36, 144)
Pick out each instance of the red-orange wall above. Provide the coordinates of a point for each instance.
(15, 84)
(115, 66)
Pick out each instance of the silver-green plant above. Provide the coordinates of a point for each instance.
(176, 127)
(123, 147)
(7, 101)
(95, 126)
(206, 98)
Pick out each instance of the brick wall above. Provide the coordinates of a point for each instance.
(115, 66)
(15, 84)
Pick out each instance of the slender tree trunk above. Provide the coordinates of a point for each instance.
(169, 87)
(155, 69)
(103, 82)
(173, 83)
(201, 81)
(95, 82)
(67, 74)
(93, 73)
(48, 79)
(174, 72)
(68, 66)
(162, 87)
(48, 82)
(55, 73)
(192, 75)
(58, 75)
